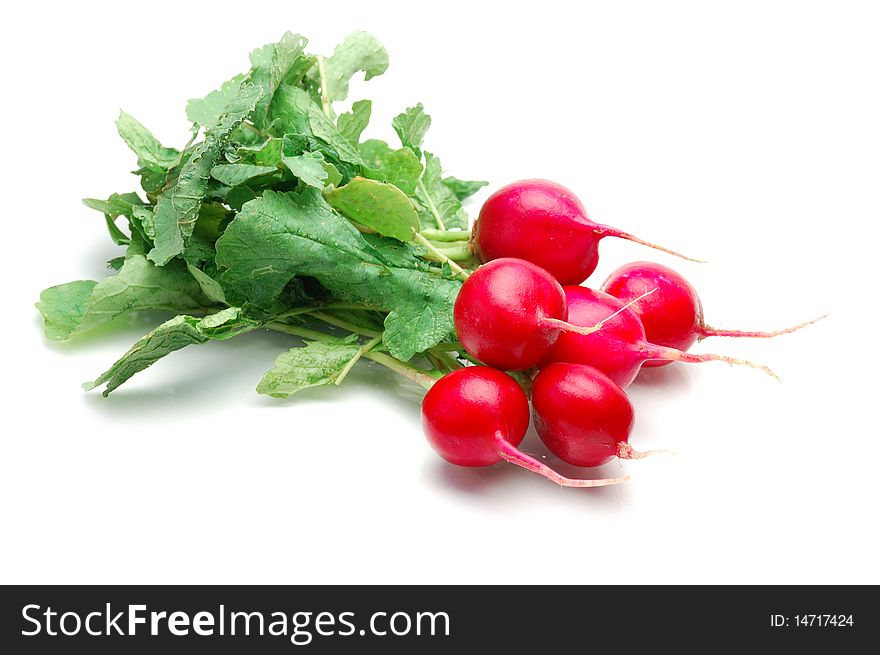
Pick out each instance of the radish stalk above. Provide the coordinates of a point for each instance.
(620, 348)
(608, 231)
(673, 316)
(706, 331)
(441, 256)
(513, 455)
(675, 355)
(546, 224)
(582, 416)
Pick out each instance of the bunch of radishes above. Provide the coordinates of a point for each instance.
(577, 348)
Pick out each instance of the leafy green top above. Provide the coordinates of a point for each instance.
(279, 214)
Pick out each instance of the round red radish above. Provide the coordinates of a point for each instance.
(509, 312)
(673, 315)
(467, 411)
(619, 347)
(615, 349)
(499, 312)
(477, 416)
(544, 223)
(581, 415)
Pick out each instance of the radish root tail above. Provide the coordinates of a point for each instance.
(705, 331)
(512, 454)
(625, 451)
(565, 326)
(674, 355)
(606, 230)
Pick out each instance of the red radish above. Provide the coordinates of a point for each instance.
(500, 313)
(509, 313)
(544, 223)
(477, 416)
(673, 315)
(581, 415)
(620, 347)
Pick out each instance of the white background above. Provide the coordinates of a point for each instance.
(746, 133)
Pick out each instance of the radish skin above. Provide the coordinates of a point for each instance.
(544, 223)
(673, 316)
(510, 312)
(582, 416)
(620, 348)
(477, 416)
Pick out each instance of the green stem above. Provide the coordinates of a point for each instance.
(447, 347)
(471, 359)
(431, 206)
(298, 311)
(194, 133)
(443, 258)
(457, 253)
(446, 235)
(406, 370)
(253, 128)
(195, 311)
(301, 332)
(448, 361)
(523, 379)
(410, 372)
(437, 363)
(345, 325)
(325, 96)
(369, 345)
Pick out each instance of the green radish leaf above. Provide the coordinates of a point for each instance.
(277, 203)
(206, 111)
(237, 197)
(315, 364)
(143, 220)
(267, 153)
(116, 263)
(411, 127)
(209, 286)
(358, 52)
(73, 308)
(438, 205)
(401, 168)
(177, 210)
(324, 129)
(237, 174)
(352, 124)
(168, 240)
(377, 205)
(208, 225)
(63, 308)
(149, 151)
(273, 64)
(296, 113)
(308, 168)
(334, 177)
(463, 189)
(179, 332)
(281, 235)
(118, 237)
(118, 204)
